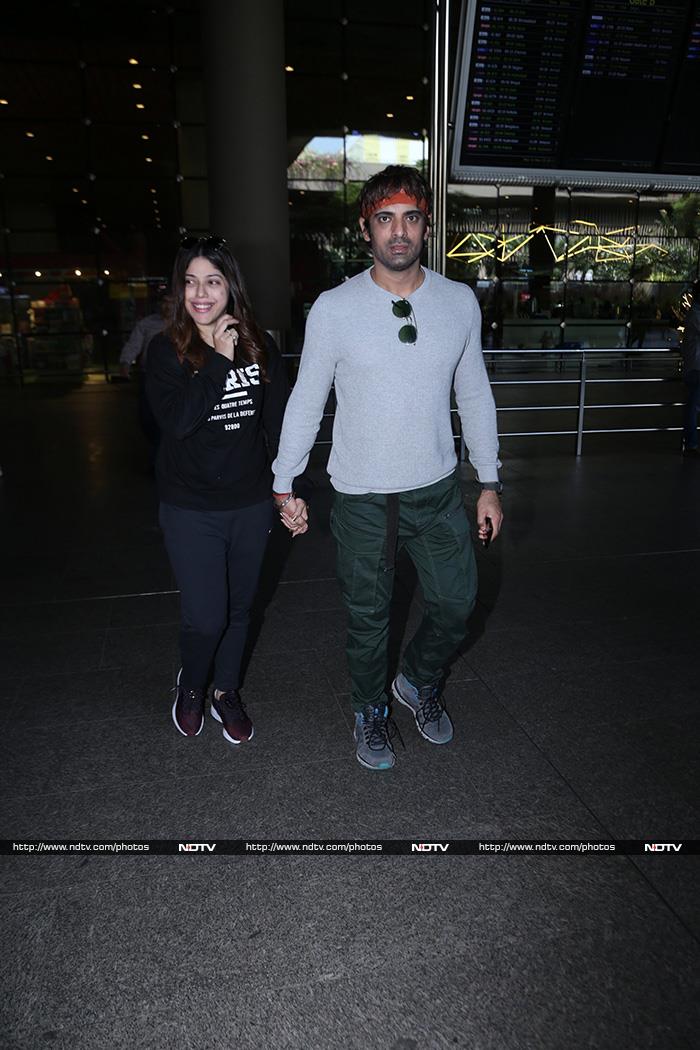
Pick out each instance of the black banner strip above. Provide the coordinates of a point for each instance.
(343, 847)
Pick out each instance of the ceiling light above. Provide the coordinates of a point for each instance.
(37, 273)
(78, 273)
(106, 273)
(153, 189)
(390, 114)
(145, 138)
(137, 87)
(4, 102)
(75, 189)
(133, 61)
(49, 157)
(29, 134)
(289, 69)
(140, 105)
(409, 98)
(149, 160)
(83, 201)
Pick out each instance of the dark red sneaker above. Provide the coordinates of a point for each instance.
(228, 709)
(188, 711)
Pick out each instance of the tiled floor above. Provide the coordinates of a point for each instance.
(575, 702)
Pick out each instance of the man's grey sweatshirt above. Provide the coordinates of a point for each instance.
(392, 429)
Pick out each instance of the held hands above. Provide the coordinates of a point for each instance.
(225, 336)
(489, 515)
(294, 514)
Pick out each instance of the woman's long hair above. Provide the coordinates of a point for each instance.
(180, 327)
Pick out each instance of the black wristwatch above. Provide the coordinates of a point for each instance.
(492, 486)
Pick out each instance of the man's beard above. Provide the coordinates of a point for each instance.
(396, 262)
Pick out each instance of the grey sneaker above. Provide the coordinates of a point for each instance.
(374, 748)
(431, 717)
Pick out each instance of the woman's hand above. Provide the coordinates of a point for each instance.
(295, 515)
(225, 336)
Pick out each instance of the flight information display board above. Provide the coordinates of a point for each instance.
(579, 92)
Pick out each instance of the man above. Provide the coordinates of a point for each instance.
(690, 349)
(136, 349)
(395, 340)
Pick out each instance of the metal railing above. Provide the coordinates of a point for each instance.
(582, 359)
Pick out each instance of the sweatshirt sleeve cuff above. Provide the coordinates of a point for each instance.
(281, 484)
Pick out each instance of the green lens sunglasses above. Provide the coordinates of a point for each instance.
(408, 333)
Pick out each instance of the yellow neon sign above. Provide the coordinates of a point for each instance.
(616, 245)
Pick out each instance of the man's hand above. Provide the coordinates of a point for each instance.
(489, 506)
(295, 515)
(124, 370)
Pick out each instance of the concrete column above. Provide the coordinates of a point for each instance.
(243, 52)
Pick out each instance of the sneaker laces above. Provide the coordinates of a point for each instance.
(232, 700)
(379, 729)
(431, 709)
(188, 698)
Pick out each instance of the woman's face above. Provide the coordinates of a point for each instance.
(206, 292)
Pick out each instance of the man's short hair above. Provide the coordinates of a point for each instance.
(391, 180)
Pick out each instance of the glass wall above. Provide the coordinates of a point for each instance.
(572, 269)
(357, 100)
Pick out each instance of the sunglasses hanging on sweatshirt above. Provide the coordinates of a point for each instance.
(408, 333)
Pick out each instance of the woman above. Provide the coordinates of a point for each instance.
(218, 389)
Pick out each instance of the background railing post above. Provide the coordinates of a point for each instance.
(581, 403)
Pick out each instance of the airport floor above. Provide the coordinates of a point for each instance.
(575, 703)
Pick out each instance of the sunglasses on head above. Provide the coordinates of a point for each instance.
(206, 242)
(408, 333)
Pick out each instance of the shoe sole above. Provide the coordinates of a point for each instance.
(405, 703)
(177, 725)
(215, 714)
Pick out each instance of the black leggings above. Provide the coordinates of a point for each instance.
(216, 557)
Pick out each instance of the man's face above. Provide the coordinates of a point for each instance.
(396, 235)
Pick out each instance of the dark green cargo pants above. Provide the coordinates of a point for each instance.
(434, 530)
